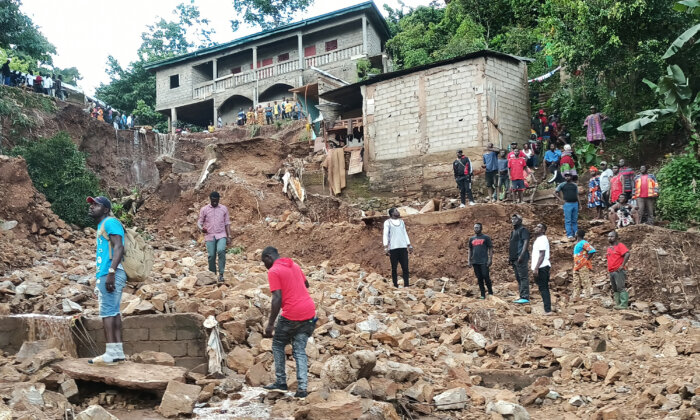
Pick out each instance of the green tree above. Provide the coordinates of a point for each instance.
(70, 75)
(131, 84)
(58, 170)
(267, 14)
(21, 36)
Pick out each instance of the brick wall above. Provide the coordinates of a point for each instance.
(374, 43)
(416, 122)
(180, 335)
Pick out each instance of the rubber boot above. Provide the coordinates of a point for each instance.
(624, 300)
(616, 298)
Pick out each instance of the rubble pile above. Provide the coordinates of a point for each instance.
(377, 352)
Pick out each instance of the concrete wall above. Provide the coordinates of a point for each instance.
(509, 82)
(415, 123)
(374, 42)
(13, 332)
(180, 335)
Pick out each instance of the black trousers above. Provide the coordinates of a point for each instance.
(522, 278)
(542, 281)
(399, 255)
(483, 276)
(465, 188)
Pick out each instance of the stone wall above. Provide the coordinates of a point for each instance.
(415, 123)
(180, 335)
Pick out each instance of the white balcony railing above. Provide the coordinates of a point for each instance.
(222, 84)
(332, 56)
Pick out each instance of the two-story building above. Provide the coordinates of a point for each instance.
(219, 81)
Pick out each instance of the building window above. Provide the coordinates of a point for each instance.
(174, 81)
(310, 51)
(236, 70)
(283, 57)
(332, 45)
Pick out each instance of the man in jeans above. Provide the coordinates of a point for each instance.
(295, 325)
(618, 255)
(480, 258)
(541, 265)
(215, 223)
(568, 193)
(518, 255)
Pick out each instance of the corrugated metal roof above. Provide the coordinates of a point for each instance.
(367, 6)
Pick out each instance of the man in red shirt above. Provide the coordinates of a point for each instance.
(618, 255)
(615, 184)
(516, 169)
(289, 289)
(514, 152)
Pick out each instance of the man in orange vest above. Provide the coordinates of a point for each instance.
(646, 189)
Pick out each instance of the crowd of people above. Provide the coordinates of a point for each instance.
(39, 82)
(286, 109)
(120, 121)
(616, 193)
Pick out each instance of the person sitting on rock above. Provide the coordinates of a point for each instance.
(622, 214)
(296, 323)
(111, 278)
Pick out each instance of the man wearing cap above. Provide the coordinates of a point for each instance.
(111, 278)
(215, 223)
(567, 192)
(514, 152)
(463, 172)
(518, 255)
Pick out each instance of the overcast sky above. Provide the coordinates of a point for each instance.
(86, 32)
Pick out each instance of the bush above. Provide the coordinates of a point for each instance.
(679, 195)
(57, 169)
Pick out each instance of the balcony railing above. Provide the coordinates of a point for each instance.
(335, 55)
(224, 83)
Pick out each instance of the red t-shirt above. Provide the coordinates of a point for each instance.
(615, 188)
(286, 275)
(616, 255)
(567, 159)
(517, 168)
(511, 155)
(644, 186)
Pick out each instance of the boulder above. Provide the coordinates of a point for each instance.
(205, 278)
(30, 288)
(70, 307)
(341, 407)
(361, 388)
(236, 331)
(399, 372)
(153, 358)
(452, 399)
(257, 375)
(187, 283)
(39, 360)
(30, 349)
(240, 359)
(421, 391)
(337, 373)
(371, 325)
(179, 399)
(364, 361)
(472, 340)
(508, 410)
(69, 389)
(95, 412)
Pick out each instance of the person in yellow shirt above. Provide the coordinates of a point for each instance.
(250, 117)
(288, 109)
(276, 111)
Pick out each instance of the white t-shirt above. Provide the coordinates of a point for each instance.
(540, 244)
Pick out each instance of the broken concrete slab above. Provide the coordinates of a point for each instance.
(179, 399)
(30, 349)
(126, 375)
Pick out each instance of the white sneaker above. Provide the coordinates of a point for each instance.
(461, 206)
(471, 203)
(554, 176)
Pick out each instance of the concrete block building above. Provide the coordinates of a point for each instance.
(416, 119)
(218, 81)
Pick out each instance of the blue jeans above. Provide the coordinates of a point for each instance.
(214, 248)
(571, 219)
(298, 333)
